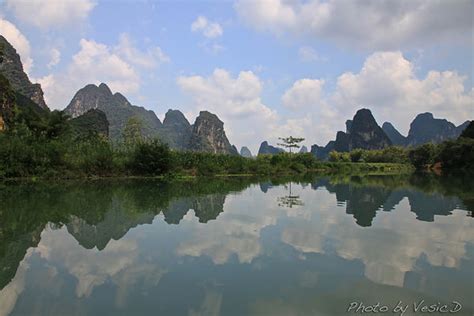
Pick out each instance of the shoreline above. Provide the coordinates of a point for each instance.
(330, 168)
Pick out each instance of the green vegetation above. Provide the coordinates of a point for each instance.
(393, 154)
(51, 148)
(290, 142)
(452, 155)
(47, 144)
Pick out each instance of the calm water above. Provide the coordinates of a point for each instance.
(236, 247)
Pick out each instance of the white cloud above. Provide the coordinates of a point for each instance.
(151, 58)
(303, 93)
(308, 54)
(12, 291)
(119, 67)
(18, 41)
(209, 29)
(51, 13)
(369, 24)
(236, 101)
(94, 63)
(55, 57)
(388, 85)
(119, 263)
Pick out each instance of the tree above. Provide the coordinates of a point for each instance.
(132, 133)
(356, 155)
(469, 131)
(290, 142)
(423, 155)
(57, 124)
(151, 158)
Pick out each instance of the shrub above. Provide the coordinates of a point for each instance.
(423, 155)
(356, 155)
(151, 158)
(457, 154)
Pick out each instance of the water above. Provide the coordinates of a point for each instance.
(308, 246)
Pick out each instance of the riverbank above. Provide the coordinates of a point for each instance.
(260, 170)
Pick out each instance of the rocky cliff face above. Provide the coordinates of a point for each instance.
(12, 68)
(116, 107)
(348, 126)
(394, 135)
(245, 152)
(461, 128)
(93, 121)
(426, 129)
(361, 132)
(176, 130)
(265, 148)
(208, 135)
(365, 133)
(7, 103)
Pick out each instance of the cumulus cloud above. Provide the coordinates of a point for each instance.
(95, 62)
(119, 263)
(207, 28)
(369, 24)
(308, 54)
(388, 85)
(51, 13)
(302, 93)
(238, 229)
(236, 100)
(151, 58)
(55, 55)
(399, 246)
(18, 41)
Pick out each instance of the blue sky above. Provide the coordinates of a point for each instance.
(267, 68)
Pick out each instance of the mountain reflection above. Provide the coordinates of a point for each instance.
(95, 213)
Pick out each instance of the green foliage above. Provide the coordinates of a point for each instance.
(290, 142)
(336, 156)
(151, 158)
(469, 131)
(458, 154)
(391, 154)
(42, 143)
(132, 133)
(424, 155)
(91, 155)
(356, 155)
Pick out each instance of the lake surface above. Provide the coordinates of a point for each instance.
(309, 246)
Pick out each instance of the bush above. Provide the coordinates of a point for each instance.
(356, 155)
(457, 154)
(151, 158)
(335, 156)
(423, 155)
(92, 155)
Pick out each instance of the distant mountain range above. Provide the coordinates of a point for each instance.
(97, 108)
(364, 132)
(206, 134)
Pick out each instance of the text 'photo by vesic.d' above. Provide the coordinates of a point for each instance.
(304, 157)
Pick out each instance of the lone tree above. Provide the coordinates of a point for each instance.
(290, 142)
(132, 133)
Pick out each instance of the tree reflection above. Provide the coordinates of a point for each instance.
(289, 200)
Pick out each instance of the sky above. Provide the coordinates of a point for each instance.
(267, 68)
